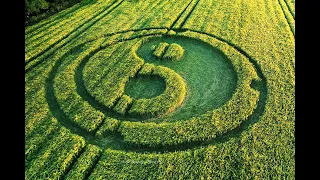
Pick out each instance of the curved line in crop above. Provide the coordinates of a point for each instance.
(117, 138)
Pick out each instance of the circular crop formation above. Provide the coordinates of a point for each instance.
(162, 91)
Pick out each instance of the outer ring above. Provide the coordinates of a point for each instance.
(89, 137)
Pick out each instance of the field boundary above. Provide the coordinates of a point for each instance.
(89, 21)
(66, 36)
(47, 23)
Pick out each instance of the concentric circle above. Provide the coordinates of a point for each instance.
(93, 100)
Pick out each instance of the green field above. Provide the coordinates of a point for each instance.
(131, 89)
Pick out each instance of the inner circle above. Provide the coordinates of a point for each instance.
(209, 75)
(143, 86)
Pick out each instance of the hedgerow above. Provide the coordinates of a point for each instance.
(37, 10)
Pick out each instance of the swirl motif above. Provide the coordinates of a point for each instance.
(87, 94)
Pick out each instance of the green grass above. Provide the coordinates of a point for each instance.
(168, 101)
(167, 51)
(84, 163)
(143, 86)
(209, 75)
(224, 110)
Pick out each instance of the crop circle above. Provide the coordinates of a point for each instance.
(105, 108)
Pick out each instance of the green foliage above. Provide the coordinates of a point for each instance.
(34, 6)
(171, 33)
(174, 52)
(209, 75)
(56, 158)
(167, 51)
(291, 6)
(207, 126)
(35, 45)
(113, 84)
(37, 10)
(160, 50)
(171, 98)
(75, 88)
(84, 163)
(288, 15)
(81, 112)
(122, 104)
(109, 126)
(271, 140)
(147, 69)
(38, 139)
(125, 165)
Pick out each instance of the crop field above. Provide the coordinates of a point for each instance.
(162, 89)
